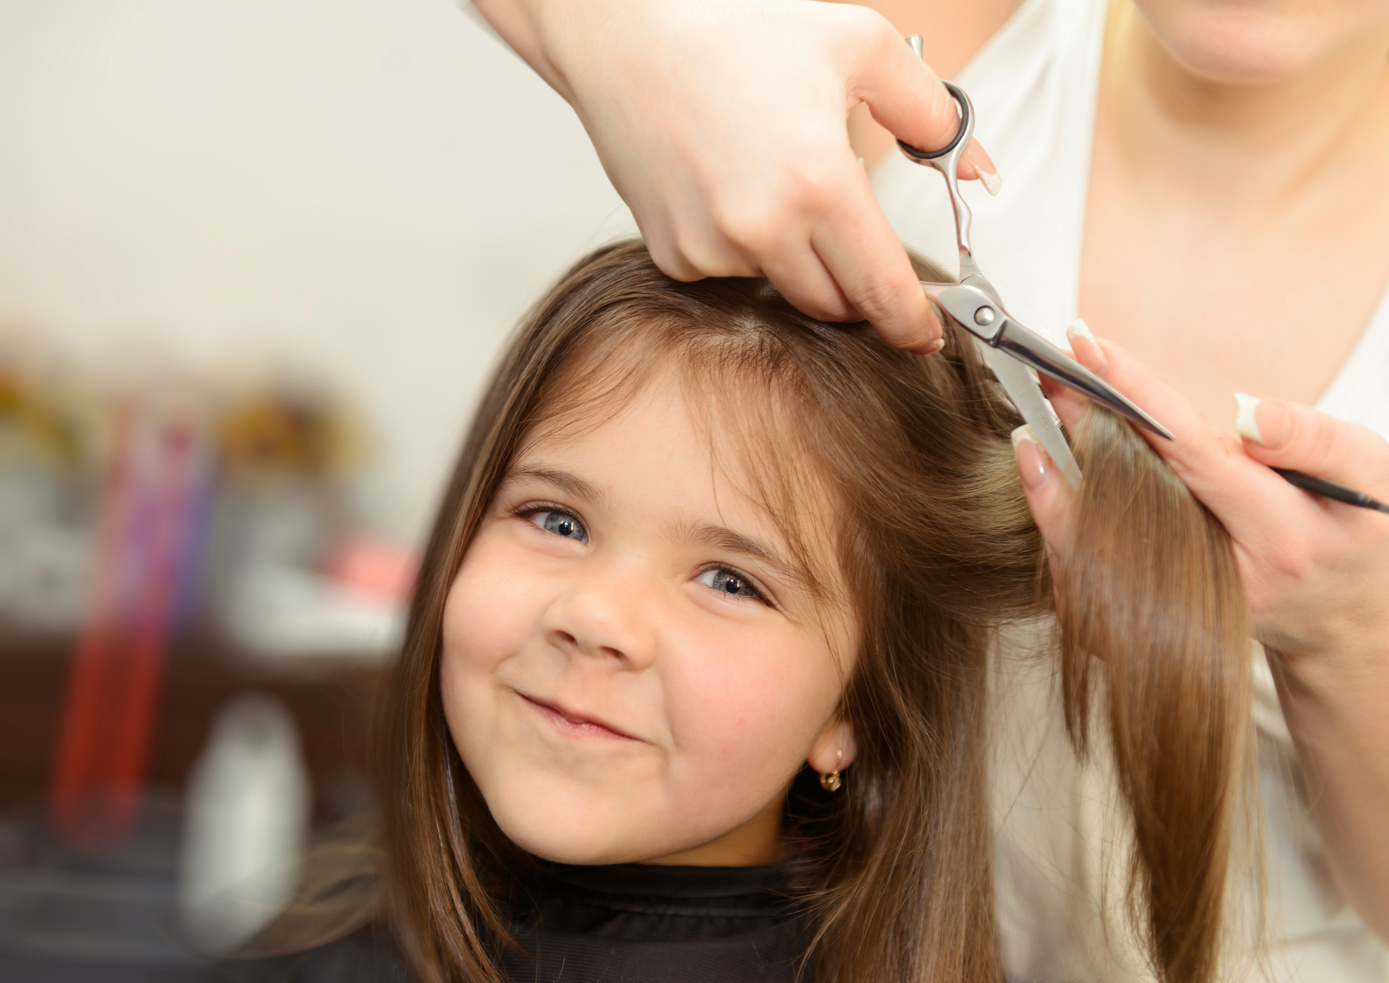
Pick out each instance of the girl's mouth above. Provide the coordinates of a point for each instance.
(575, 724)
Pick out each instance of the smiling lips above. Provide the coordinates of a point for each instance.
(575, 724)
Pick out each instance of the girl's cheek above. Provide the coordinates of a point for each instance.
(752, 703)
(491, 612)
(492, 607)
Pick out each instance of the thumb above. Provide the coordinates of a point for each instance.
(1283, 434)
(908, 100)
(1048, 495)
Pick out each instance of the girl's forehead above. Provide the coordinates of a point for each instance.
(688, 445)
(667, 433)
(743, 433)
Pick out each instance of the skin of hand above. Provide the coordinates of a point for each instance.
(750, 171)
(1316, 573)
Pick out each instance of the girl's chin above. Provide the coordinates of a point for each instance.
(577, 853)
(560, 836)
(580, 839)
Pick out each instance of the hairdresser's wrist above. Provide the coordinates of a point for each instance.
(525, 24)
(569, 41)
(1321, 611)
(1347, 667)
(1334, 707)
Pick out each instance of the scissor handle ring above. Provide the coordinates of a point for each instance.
(962, 134)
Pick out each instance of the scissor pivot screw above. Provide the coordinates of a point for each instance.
(984, 316)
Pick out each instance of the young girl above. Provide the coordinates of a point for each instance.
(695, 675)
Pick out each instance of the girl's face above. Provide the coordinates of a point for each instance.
(632, 669)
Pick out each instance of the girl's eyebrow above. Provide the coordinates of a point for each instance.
(723, 538)
(566, 481)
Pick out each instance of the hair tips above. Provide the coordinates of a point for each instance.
(1155, 641)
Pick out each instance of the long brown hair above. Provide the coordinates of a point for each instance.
(938, 550)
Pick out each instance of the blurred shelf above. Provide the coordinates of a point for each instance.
(329, 698)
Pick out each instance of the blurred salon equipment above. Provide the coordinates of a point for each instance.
(317, 220)
(245, 821)
(193, 615)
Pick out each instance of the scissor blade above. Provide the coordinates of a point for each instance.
(974, 303)
(1022, 389)
(1030, 347)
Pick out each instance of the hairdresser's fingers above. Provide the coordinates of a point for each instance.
(901, 91)
(1315, 571)
(975, 162)
(862, 252)
(1256, 506)
(907, 99)
(802, 279)
(1049, 496)
(1282, 434)
(722, 125)
(1209, 461)
(1318, 570)
(688, 243)
(1327, 549)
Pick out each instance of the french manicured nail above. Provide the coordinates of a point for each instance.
(1079, 329)
(937, 321)
(1247, 422)
(1264, 423)
(1032, 460)
(984, 167)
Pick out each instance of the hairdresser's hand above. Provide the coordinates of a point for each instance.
(722, 124)
(1316, 574)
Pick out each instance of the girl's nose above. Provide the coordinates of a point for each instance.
(608, 612)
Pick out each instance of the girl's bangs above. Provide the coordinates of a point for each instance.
(748, 408)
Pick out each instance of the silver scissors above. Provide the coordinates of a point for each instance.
(1010, 348)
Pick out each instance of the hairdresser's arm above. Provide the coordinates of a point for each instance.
(722, 124)
(1317, 577)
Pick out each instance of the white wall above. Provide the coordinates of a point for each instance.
(375, 187)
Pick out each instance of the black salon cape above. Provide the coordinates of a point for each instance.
(630, 923)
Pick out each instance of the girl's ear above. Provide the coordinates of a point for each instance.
(834, 749)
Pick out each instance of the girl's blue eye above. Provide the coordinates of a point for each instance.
(561, 524)
(729, 582)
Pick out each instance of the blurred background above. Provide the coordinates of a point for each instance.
(256, 259)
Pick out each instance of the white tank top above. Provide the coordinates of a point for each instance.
(1060, 863)
(1034, 87)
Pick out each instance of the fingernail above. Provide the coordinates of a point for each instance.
(1267, 424)
(1247, 423)
(1079, 329)
(984, 167)
(1032, 461)
(938, 323)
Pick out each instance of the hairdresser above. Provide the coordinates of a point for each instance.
(1206, 181)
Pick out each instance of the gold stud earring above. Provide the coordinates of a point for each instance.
(832, 781)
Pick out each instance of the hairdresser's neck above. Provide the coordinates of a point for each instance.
(1248, 144)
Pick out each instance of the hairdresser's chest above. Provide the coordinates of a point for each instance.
(1216, 297)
